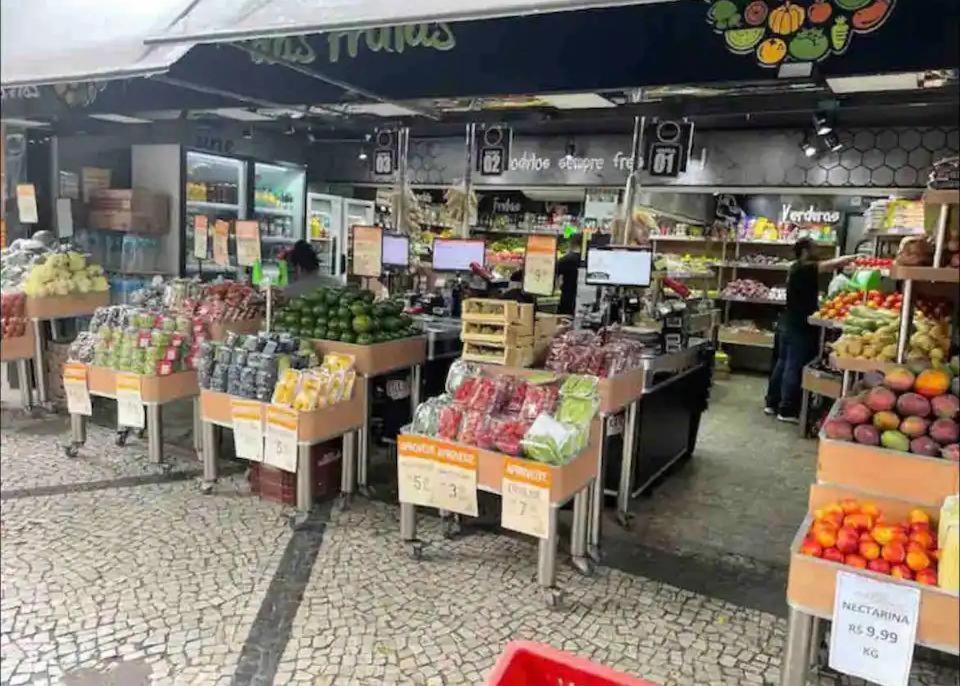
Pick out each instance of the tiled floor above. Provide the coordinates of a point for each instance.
(115, 573)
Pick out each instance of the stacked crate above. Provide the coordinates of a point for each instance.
(498, 332)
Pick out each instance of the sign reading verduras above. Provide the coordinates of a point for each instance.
(440, 474)
(874, 629)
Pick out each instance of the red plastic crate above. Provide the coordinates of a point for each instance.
(525, 663)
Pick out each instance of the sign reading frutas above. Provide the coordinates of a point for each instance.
(75, 388)
(493, 149)
(874, 629)
(525, 491)
(667, 148)
(799, 31)
(129, 401)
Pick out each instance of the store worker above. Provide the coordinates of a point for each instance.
(796, 340)
(304, 271)
(568, 270)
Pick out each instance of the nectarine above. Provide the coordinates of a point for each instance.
(901, 572)
(827, 538)
(847, 540)
(858, 520)
(917, 560)
(811, 547)
(855, 561)
(879, 566)
(918, 516)
(927, 576)
(894, 552)
(870, 549)
(882, 534)
(871, 509)
(922, 537)
(849, 505)
(832, 554)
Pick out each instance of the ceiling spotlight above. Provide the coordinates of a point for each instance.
(362, 155)
(820, 124)
(809, 149)
(832, 141)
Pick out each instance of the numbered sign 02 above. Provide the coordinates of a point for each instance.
(493, 149)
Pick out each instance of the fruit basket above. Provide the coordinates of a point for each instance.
(536, 664)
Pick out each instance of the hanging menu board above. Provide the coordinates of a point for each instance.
(248, 243)
(367, 251)
(539, 265)
(221, 243)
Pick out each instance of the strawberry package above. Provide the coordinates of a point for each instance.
(471, 427)
(489, 394)
(508, 433)
(459, 372)
(448, 422)
(538, 400)
(464, 390)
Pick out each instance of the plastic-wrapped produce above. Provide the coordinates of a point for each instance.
(458, 373)
(508, 433)
(579, 386)
(538, 400)
(489, 394)
(464, 390)
(550, 441)
(448, 425)
(517, 395)
(84, 348)
(472, 424)
(426, 419)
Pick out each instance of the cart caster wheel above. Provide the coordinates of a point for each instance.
(625, 519)
(595, 554)
(206, 487)
(415, 548)
(71, 450)
(583, 565)
(451, 527)
(553, 597)
(141, 433)
(165, 468)
(121, 439)
(297, 520)
(345, 500)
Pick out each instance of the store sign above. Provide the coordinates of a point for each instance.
(811, 215)
(795, 31)
(667, 146)
(493, 149)
(75, 388)
(248, 243)
(525, 494)
(247, 419)
(129, 401)
(367, 251)
(874, 629)
(385, 152)
(280, 445)
(540, 265)
(434, 473)
(214, 144)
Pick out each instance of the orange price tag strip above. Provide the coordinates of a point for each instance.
(539, 265)
(221, 243)
(247, 417)
(248, 243)
(281, 438)
(525, 492)
(129, 401)
(75, 387)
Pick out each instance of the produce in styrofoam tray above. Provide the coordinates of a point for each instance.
(14, 321)
(746, 288)
(902, 410)
(249, 366)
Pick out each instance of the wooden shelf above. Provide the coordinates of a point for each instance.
(825, 323)
(853, 364)
(755, 301)
(821, 382)
(931, 274)
(756, 339)
(948, 196)
(767, 267)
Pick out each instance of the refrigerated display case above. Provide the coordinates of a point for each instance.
(215, 186)
(278, 205)
(329, 220)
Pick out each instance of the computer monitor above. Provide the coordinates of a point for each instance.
(609, 266)
(396, 250)
(456, 255)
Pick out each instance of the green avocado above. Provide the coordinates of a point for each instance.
(364, 339)
(347, 337)
(361, 323)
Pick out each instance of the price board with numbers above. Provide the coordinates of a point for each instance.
(247, 418)
(280, 446)
(367, 251)
(248, 243)
(200, 236)
(455, 478)
(129, 401)
(874, 629)
(540, 264)
(525, 492)
(221, 243)
(416, 469)
(76, 389)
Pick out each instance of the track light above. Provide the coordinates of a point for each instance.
(832, 141)
(820, 124)
(809, 149)
(362, 156)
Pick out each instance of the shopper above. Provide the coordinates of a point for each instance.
(796, 340)
(304, 269)
(568, 269)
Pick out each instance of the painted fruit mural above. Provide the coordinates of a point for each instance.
(778, 31)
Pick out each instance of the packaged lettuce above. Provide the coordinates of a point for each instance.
(577, 411)
(579, 386)
(550, 441)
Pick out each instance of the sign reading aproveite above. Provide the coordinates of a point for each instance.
(221, 243)
(201, 240)
(247, 419)
(367, 251)
(75, 388)
(416, 469)
(129, 401)
(874, 629)
(280, 449)
(248, 243)
(540, 265)
(434, 473)
(525, 493)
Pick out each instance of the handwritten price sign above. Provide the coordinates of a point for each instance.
(75, 388)
(129, 401)
(248, 243)
(201, 241)
(247, 417)
(525, 491)
(367, 251)
(439, 474)
(539, 265)
(281, 438)
(874, 629)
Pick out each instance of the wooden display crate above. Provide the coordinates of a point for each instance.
(821, 382)
(811, 583)
(512, 335)
(854, 364)
(932, 274)
(379, 358)
(498, 312)
(506, 356)
(891, 473)
(546, 325)
(76, 305)
(312, 427)
(153, 389)
(758, 339)
(19, 348)
(220, 330)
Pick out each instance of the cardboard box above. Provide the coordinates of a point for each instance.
(59, 307)
(380, 358)
(134, 209)
(19, 348)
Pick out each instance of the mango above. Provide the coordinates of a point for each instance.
(894, 440)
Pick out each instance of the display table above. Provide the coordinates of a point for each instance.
(39, 310)
(218, 331)
(372, 361)
(571, 481)
(20, 350)
(340, 420)
(155, 391)
(811, 588)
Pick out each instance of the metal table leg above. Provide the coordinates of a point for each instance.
(796, 660)
(209, 454)
(547, 560)
(595, 524)
(39, 362)
(23, 375)
(804, 411)
(365, 436)
(625, 487)
(578, 531)
(197, 428)
(348, 463)
(408, 530)
(155, 433)
(304, 478)
(415, 372)
(846, 382)
(817, 627)
(78, 434)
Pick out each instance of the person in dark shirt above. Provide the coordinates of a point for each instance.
(568, 269)
(796, 339)
(304, 268)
